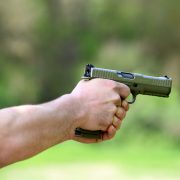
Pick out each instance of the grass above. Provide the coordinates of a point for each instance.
(71, 159)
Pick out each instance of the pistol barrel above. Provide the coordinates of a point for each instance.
(138, 83)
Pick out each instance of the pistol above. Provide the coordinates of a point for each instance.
(138, 84)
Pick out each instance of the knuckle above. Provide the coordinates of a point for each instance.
(113, 110)
(119, 126)
(116, 97)
(104, 124)
(116, 122)
(124, 86)
(124, 114)
(125, 105)
(112, 84)
(112, 134)
(120, 113)
(127, 89)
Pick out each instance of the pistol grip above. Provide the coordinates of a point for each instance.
(79, 132)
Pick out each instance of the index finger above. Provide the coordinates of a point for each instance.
(123, 90)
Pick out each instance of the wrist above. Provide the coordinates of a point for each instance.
(75, 114)
(65, 112)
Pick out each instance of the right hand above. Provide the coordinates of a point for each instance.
(98, 103)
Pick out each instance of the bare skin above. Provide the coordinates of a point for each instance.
(30, 129)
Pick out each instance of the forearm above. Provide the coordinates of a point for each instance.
(30, 129)
(93, 105)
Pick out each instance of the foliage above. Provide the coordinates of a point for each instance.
(45, 45)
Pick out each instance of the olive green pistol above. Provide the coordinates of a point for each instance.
(138, 84)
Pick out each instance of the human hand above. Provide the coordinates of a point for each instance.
(99, 107)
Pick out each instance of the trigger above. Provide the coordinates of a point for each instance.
(133, 99)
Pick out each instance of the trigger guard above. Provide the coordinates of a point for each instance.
(133, 99)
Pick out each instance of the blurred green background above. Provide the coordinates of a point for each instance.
(44, 46)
